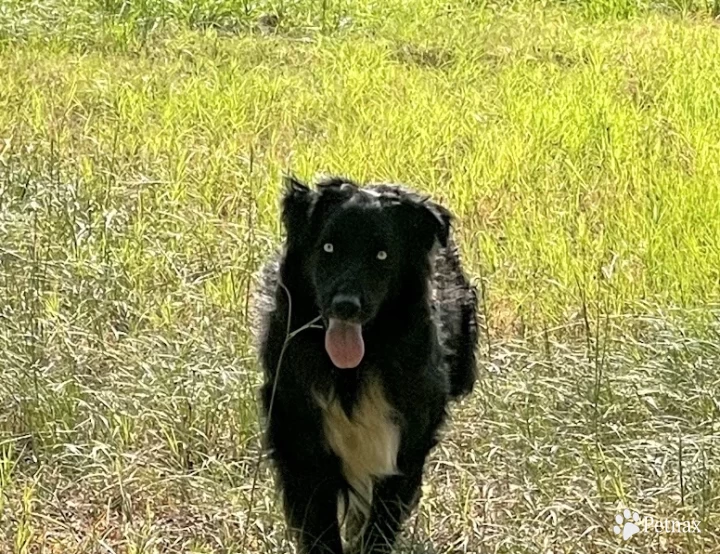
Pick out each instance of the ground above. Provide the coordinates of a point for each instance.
(141, 149)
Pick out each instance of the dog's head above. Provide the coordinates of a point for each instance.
(357, 246)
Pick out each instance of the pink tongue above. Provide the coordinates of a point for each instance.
(344, 343)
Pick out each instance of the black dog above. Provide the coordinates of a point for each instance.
(370, 330)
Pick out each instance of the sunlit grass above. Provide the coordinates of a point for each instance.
(141, 146)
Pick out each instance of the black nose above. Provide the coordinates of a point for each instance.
(345, 306)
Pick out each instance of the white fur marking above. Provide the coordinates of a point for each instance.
(367, 442)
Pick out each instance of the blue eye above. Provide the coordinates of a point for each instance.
(382, 255)
(328, 247)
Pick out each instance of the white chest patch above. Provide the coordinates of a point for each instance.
(367, 441)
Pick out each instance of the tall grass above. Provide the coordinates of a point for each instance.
(141, 145)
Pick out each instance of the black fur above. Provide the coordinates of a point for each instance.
(418, 312)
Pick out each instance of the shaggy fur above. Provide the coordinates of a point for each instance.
(353, 418)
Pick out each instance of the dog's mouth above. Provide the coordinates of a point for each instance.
(344, 343)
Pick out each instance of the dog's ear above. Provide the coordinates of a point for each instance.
(297, 205)
(332, 191)
(303, 209)
(425, 221)
(335, 189)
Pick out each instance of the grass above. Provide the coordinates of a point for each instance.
(141, 145)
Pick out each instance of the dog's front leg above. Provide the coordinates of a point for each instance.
(310, 501)
(393, 499)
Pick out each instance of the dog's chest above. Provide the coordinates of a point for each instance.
(366, 441)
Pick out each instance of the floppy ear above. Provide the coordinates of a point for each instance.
(297, 205)
(426, 222)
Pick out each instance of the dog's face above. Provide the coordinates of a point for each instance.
(357, 245)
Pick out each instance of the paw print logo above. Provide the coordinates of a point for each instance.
(627, 524)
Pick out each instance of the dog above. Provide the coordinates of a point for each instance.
(369, 330)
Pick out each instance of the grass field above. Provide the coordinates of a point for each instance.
(141, 147)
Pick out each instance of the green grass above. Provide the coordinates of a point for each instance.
(141, 146)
